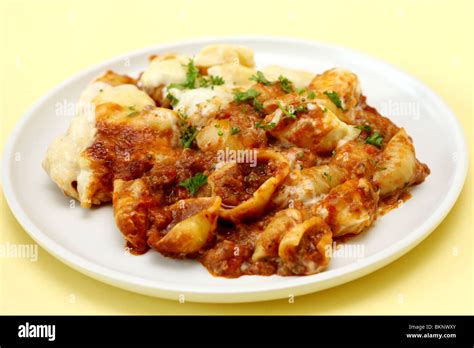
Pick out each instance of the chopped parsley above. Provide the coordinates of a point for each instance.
(311, 95)
(365, 128)
(271, 125)
(234, 130)
(300, 91)
(285, 84)
(182, 115)
(192, 74)
(133, 111)
(334, 97)
(194, 183)
(291, 111)
(244, 96)
(174, 101)
(250, 94)
(188, 136)
(211, 81)
(260, 78)
(375, 139)
(327, 176)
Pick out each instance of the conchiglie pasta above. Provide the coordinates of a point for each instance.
(349, 208)
(190, 227)
(268, 241)
(306, 248)
(131, 212)
(234, 75)
(299, 78)
(246, 188)
(217, 135)
(308, 185)
(399, 163)
(345, 85)
(224, 54)
(316, 128)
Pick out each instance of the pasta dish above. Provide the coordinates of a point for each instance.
(249, 171)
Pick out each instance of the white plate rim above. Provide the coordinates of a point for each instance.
(295, 285)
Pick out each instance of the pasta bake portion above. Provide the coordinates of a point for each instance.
(249, 171)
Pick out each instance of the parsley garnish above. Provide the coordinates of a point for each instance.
(174, 101)
(260, 78)
(271, 125)
(327, 176)
(291, 111)
(194, 183)
(191, 75)
(285, 84)
(240, 97)
(365, 128)
(311, 95)
(375, 139)
(300, 91)
(133, 111)
(234, 130)
(212, 81)
(244, 96)
(334, 97)
(188, 136)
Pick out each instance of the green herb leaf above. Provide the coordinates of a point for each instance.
(250, 94)
(334, 97)
(240, 97)
(192, 74)
(234, 130)
(194, 183)
(327, 176)
(174, 101)
(311, 95)
(217, 80)
(375, 139)
(188, 136)
(292, 111)
(300, 91)
(365, 128)
(285, 84)
(271, 125)
(260, 78)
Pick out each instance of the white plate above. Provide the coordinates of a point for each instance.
(88, 240)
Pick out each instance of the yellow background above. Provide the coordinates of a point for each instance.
(45, 42)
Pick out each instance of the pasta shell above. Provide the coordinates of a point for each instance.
(399, 161)
(255, 205)
(268, 241)
(306, 248)
(308, 185)
(349, 208)
(193, 223)
(346, 85)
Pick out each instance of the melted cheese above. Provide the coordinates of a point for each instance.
(200, 103)
(164, 70)
(64, 161)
